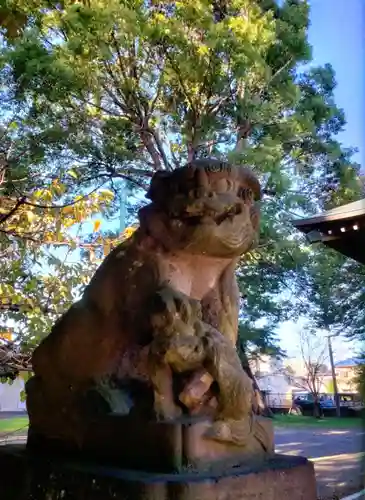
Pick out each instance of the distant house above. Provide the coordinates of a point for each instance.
(14, 365)
(278, 385)
(273, 382)
(346, 372)
(10, 396)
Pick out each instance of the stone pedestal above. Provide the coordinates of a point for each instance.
(165, 446)
(28, 476)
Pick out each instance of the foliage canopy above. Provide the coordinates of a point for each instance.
(95, 91)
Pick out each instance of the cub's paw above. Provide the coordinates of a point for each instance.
(166, 410)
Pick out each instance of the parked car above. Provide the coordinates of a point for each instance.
(327, 402)
(350, 403)
(305, 401)
(350, 400)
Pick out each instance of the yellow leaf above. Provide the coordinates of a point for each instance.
(72, 173)
(48, 237)
(38, 194)
(30, 215)
(47, 195)
(6, 336)
(203, 50)
(106, 249)
(107, 193)
(127, 233)
(97, 225)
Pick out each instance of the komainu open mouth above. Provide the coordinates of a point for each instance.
(206, 215)
(228, 214)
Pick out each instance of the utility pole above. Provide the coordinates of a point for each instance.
(334, 380)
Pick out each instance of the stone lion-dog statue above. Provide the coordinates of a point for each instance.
(154, 333)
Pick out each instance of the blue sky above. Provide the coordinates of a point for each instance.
(336, 35)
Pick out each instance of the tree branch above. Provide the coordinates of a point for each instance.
(24, 201)
(25, 307)
(160, 147)
(147, 141)
(7, 216)
(191, 144)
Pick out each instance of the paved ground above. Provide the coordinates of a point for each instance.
(337, 456)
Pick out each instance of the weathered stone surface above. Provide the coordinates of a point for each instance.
(33, 477)
(160, 313)
(202, 453)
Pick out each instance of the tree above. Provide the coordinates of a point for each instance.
(111, 90)
(38, 213)
(331, 289)
(360, 378)
(314, 356)
(12, 361)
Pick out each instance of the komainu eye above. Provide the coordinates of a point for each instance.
(246, 194)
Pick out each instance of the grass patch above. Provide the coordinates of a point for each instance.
(8, 425)
(326, 422)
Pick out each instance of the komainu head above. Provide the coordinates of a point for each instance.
(206, 207)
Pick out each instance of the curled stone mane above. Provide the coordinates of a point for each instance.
(199, 172)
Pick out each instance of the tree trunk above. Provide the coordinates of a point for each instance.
(260, 404)
(317, 410)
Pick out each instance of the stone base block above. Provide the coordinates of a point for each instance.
(167, 446)
(29, 476)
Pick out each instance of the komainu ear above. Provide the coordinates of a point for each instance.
(159, 187)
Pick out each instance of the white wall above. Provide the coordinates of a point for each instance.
(10, 396)
(279, 390)
(275, 383)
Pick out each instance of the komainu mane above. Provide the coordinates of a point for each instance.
(154, 334)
